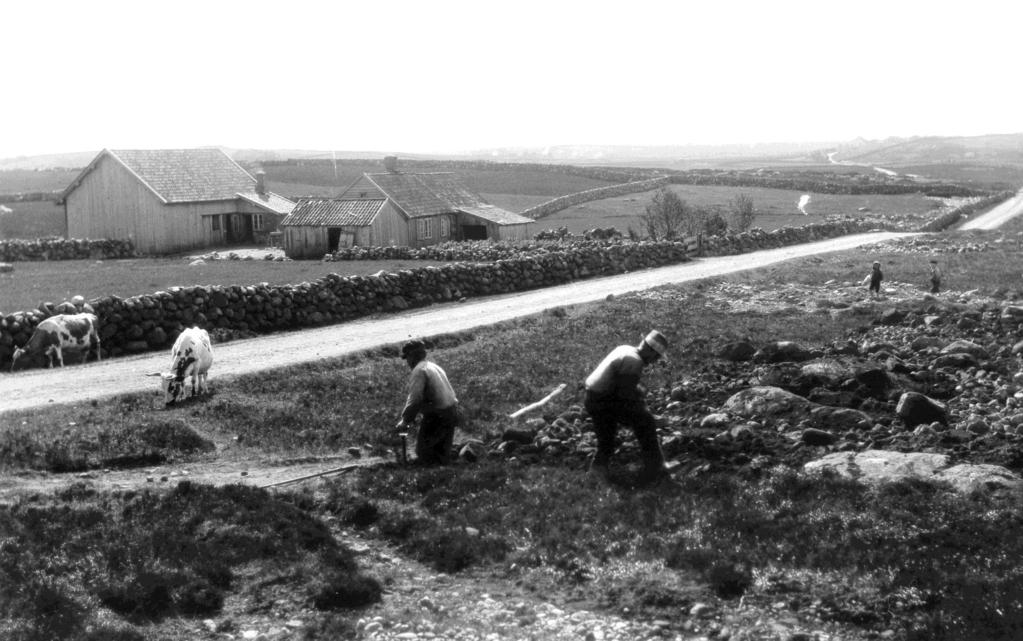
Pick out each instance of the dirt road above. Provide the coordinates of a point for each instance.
(997, 216)
(34, 388)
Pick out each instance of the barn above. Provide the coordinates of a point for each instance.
(171, 200)
(399, 209)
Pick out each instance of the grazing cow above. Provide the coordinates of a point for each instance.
(64, 331)
(191, 356)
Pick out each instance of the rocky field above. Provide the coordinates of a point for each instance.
(847, 468)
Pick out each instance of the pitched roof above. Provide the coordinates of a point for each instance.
(333, 212)
(269, 201)
(187, 175)
(496, 215)
(429, 194)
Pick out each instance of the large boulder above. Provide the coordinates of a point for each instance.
(966, 347)
(765, 402)
(878, 466)
(782, 351)
(957, 360)
(915, 409)
(737, 351)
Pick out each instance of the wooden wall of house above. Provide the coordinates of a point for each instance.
(111, 202)
(413, 230)
(305, 241)
(389, 228)
(362, 188)
(523, 231)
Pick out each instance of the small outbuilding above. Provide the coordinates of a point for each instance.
(398, 209)
(171, 200)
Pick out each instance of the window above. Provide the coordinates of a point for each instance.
(445, 227)
(257, 222)
(215, 220)
(425, 229)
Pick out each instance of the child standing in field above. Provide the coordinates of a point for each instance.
(874, 278)
(935, 277)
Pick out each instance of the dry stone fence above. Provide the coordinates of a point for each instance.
(64, 249)
(153, 321)
(599, 193)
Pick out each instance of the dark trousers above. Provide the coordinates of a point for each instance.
(608, 413)
(436, 436)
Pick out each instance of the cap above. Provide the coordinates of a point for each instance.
(877, 262)
(412, 347)
(657, 342)
(78, 300)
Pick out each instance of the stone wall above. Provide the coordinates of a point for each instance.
(153, 321)
(960, 214)
(599, 193)
(64, 249)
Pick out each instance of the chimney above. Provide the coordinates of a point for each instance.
(391, 164)
(261, 182)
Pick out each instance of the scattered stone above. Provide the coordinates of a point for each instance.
(915, 408)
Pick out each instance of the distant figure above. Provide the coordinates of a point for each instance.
(429, 393)
(614, 395)
(935, 277)
(874, 278)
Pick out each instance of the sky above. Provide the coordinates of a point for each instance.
(445, 76)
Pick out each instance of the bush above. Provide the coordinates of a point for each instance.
(339, 589)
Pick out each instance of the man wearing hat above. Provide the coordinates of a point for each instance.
(935, 277)
(431, 394)
(614, 396)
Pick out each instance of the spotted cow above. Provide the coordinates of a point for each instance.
(53, 335)
(191, 356)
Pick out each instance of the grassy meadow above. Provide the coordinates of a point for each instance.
(35, 282)
(775, 208)
(33, 219)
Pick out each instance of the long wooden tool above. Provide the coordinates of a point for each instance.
(335, 470)
(532, 406)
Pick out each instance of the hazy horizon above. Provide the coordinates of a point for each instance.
(452, 77)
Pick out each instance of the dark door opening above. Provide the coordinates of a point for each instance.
(474, 232)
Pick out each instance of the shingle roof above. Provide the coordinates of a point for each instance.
(187, 175)
(496, 215)
(429, 194)
(333, 212)
(416, 194)
(269, 201)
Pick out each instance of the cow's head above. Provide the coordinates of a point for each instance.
(173, 387)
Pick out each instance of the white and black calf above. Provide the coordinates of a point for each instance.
(53, 335)
(191, 357)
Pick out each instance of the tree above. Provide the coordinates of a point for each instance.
(743, 212)
(666, 217)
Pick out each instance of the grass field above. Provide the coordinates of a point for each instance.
(34, 219)
(32, 283)
(775, 207)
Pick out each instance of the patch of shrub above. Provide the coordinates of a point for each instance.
(340, 589)
(175, 436)
(38, 607)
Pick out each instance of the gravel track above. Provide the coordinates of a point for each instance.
(78, 383)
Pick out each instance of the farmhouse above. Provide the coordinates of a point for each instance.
(399, 209)
(168, 200)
